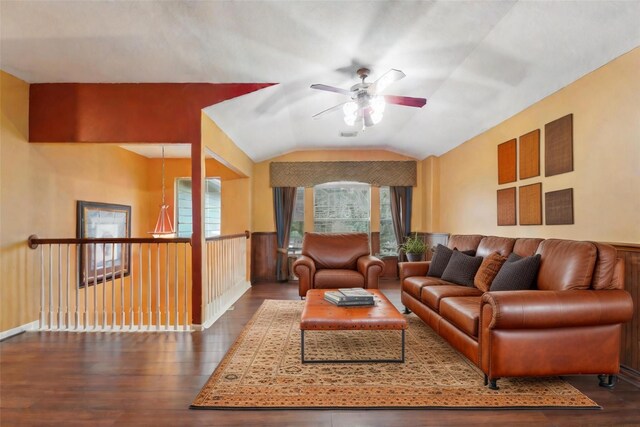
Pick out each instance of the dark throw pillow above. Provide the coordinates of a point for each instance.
(439, 261)
(461, 268)
(488, 271)
(517, 274)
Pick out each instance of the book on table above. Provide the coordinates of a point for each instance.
(356, 294)
(339, 298)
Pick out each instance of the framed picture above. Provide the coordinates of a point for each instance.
(99, 262)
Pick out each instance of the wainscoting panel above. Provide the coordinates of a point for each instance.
(630, 346)
(435, 239)
(264, 247)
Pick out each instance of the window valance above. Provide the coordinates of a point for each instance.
(308, 174)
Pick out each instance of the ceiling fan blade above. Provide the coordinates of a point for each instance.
(328, 110)
(407, 101)
(331, 89)
(385, 80)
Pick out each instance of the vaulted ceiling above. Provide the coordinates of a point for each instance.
(477, 62)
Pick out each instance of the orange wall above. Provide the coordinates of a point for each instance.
(606, 177)
(40, 186)
(262, 216)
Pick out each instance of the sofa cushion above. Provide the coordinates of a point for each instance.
(461, 268)
(433, 295)
(335, 250)
(439, 261)
(488, 271)
(464, 242)
(526, 247)
(463, 312)
(338, 278)
(566, 264)
(413, 285)
(517, 274)
(491, 244)
(605, 265)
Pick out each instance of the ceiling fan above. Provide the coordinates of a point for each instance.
(367, 105)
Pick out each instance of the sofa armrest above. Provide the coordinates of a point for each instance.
(408, 269)
(371, 268)
(537, 309)
(305, 269)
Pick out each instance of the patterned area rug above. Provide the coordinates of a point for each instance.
(262, 370)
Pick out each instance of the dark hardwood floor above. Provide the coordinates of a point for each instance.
(151, 378)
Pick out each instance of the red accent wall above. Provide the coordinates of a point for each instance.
(124, 112)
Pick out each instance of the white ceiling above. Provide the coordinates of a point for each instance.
(477, 62)
(171, 151)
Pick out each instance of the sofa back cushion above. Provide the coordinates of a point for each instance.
(491, 244)
(464, 242)
(526, 247)
(605, 265)
(335, 250)
(566, 264)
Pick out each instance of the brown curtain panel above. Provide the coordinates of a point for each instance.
(284, 199)
(401, 214)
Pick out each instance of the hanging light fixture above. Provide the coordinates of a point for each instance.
(164, 228)
(366, 110)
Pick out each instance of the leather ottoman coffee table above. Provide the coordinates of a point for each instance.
(321, 315)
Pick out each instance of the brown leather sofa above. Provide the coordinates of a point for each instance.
(571, 324)
(336, 261)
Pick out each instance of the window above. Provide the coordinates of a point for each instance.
(212, 206)
(388, 245)
(297, 221)
(342, 207)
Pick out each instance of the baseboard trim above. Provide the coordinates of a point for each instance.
(630, 375)
(18, 330)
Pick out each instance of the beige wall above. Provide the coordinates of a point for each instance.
(606, 179)
(262, 213)
(40, 186)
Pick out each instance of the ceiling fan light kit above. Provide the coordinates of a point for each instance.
(366, 107)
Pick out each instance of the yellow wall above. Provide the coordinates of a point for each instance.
(236, 192)
(40, 186)
(606, 177)
(181, 168)
(262, 216)
(223, 148)
(429, 176)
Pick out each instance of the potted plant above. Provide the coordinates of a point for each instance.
(414, 247)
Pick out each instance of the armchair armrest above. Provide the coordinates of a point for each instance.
(371, 268)
(408, 269)
(304, 268)
(555, 309)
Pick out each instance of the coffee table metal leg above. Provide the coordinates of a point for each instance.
(302, 345)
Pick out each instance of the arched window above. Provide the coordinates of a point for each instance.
(342, 207)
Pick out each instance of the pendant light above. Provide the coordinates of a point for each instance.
(164, 228)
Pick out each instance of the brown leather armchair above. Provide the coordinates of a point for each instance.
(336, 261)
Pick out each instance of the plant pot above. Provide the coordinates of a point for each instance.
(415, 257)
